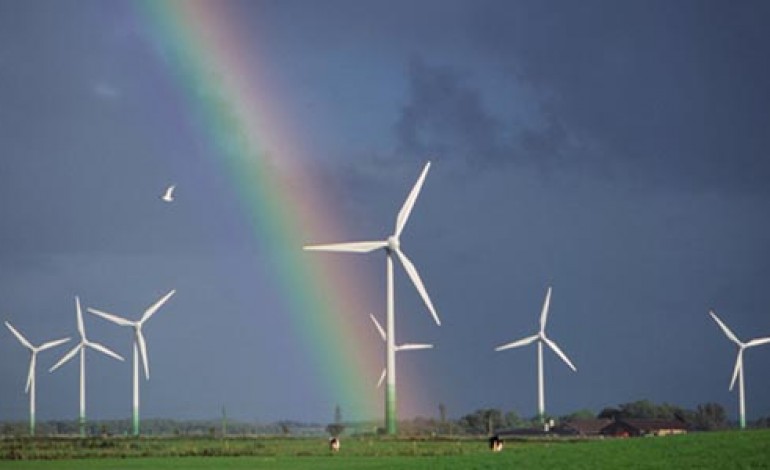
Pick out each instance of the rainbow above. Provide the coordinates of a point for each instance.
(229, 98)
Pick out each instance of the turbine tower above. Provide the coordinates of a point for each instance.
(541, 338)
(392, 247)
(738, 370)
(140, 347)
(81, 347)
(33, 350)
(403, 347)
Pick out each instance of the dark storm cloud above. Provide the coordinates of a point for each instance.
(679, 91)
(664, 93)
(446, 117)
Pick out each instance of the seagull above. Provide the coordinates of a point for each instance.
(169, 195)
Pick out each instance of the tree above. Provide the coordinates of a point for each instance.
(442, 412)
(224, 422)
(645, 409)
(482, 421)
(609, 413)
(513, 420)
(442, 419)
(284, 425)
(494, 420)
(336, 428)
(640, 409)
(709, 417)
(579, 415)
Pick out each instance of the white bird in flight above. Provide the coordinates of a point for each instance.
(169, 195)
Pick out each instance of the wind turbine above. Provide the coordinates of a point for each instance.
(738, 370)
(392, 246)
(139, 346)
(403, 347)
(81, 348)
(541, 338)
(33, 350)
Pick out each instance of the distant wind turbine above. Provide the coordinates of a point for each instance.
(81, 347)
(33, 350)
(168, 196)
(541, 338)
(738, 370)
(403, 347)
(140, 346)
(392, 246)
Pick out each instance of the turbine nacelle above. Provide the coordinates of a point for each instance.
(393, 243)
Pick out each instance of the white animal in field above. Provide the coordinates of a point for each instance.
(334, 444)
(169, 194)
(496, 444)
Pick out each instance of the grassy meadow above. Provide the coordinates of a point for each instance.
(731, 449)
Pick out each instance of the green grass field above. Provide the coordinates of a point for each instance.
(741, 450)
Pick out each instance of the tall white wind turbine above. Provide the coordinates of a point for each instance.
(140, 346)
(33, 350)
(403, 347)
(81, 348)
(541, 338)
(392, 247)
(738, 370)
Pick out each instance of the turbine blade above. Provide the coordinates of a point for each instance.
(348, 247)
(518, 343)
(104, 350)
(411, 346)
(725, 329)
(544, 312)
(560, 353)
(79, 313)
(403, 214)
(110, 317)
(379, 328)
(415, 277)
(31, 374)
(66, 357)
(758, 342)
(52, 344)
(154, 308)
(738, 368)
(19, 336)
(143, 353)
(382, 378)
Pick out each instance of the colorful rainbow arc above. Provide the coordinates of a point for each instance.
(228, 102)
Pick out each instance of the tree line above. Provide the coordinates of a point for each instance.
(483, 421)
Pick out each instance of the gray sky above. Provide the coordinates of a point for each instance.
(616, 150)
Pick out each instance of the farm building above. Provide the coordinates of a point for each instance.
(582, 427)
(643, 427)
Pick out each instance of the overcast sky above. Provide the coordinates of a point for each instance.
(615, 150)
